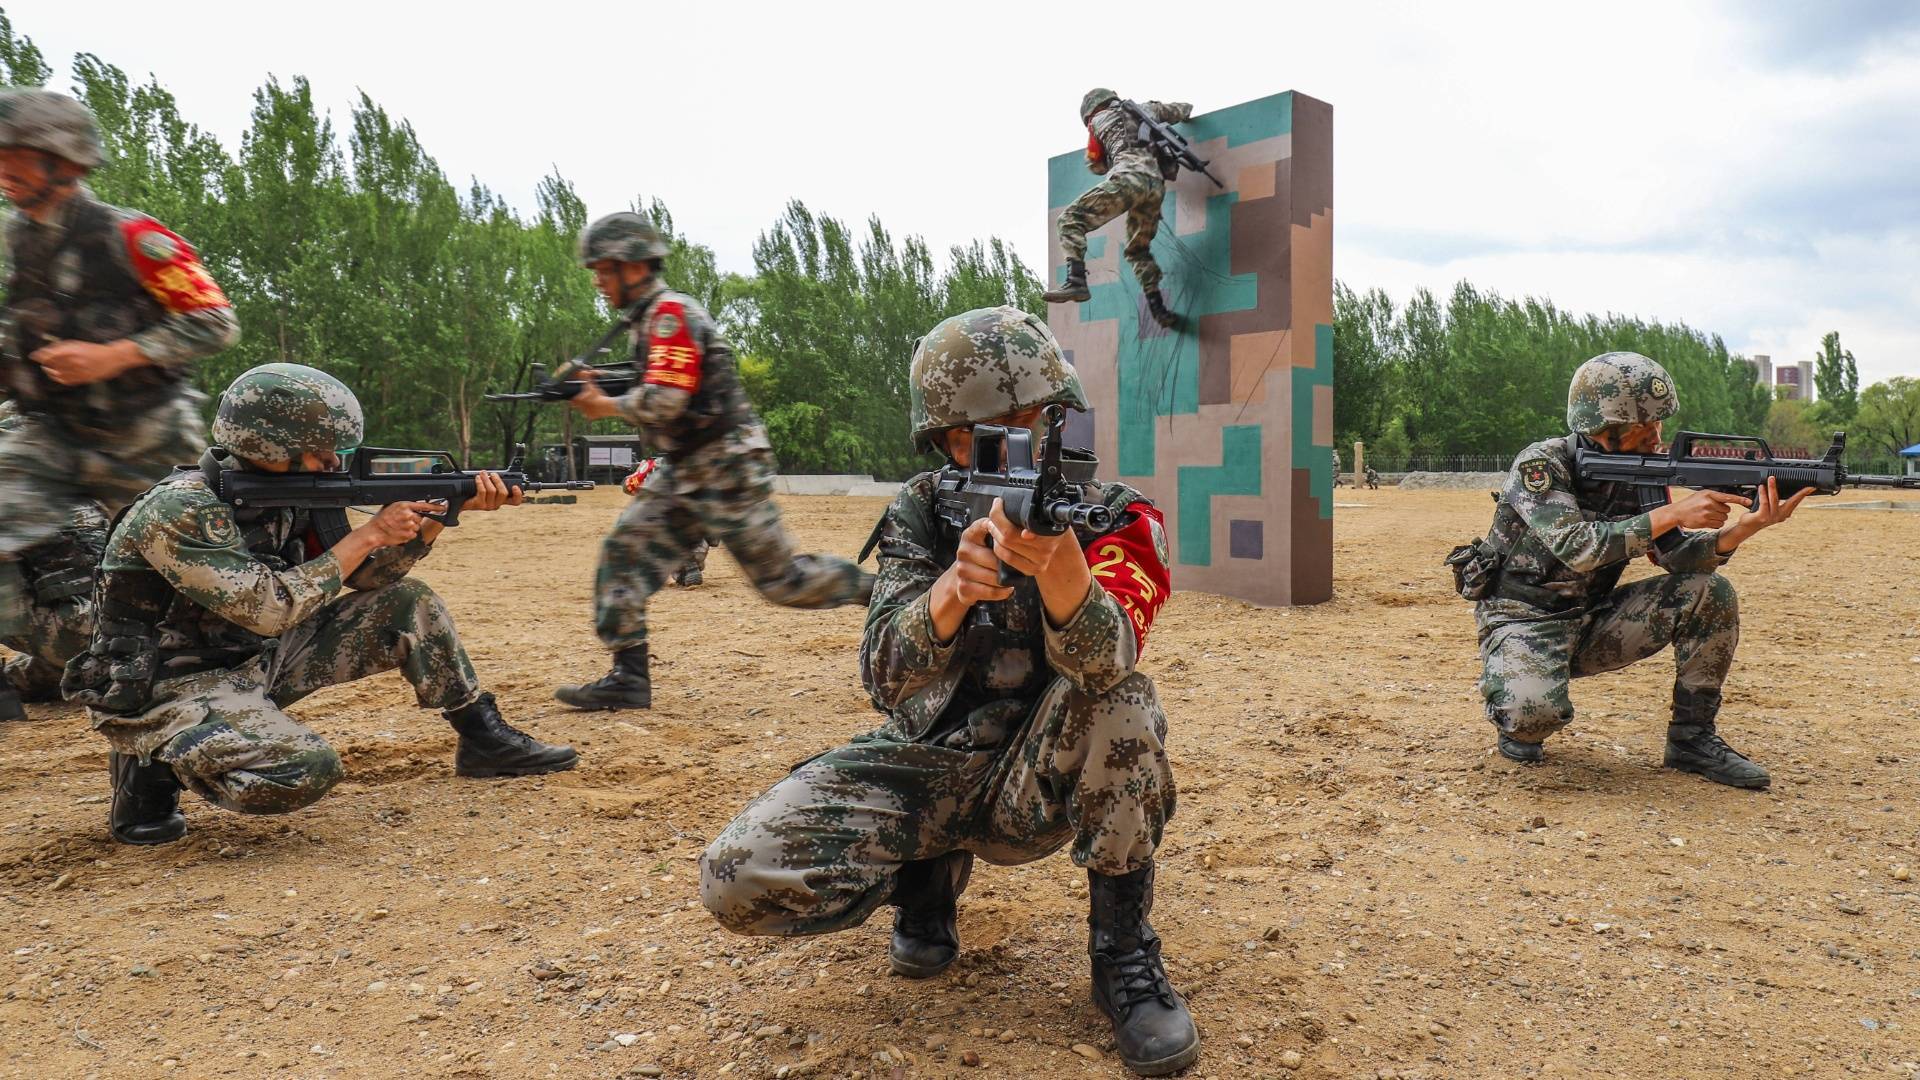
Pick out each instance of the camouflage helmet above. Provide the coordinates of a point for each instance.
(1619, 388)
(984, 364)
(1095, 98)
(276, 412)
(51, 122)
(622, 237)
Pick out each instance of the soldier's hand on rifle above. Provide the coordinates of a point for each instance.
(1055, 563)
(1772, 510)
(973, 578)
(1700, 510)
(491, 493)
(397, 523)
(77, 363)
(590, 402)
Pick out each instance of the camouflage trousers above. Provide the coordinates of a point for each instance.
(819, 851)
(657, 532)
(48, 472)
(694, 563)
(1527, 665)
(56, 631)
(225, 732)
(1136, 193)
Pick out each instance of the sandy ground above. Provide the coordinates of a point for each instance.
(1354, 885)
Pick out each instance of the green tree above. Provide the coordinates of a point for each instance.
(1889, 418)
(20, 59)
(1838, 381)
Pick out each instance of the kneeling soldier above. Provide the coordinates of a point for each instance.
(1010, 744)
(211, 620)
(1554, 613)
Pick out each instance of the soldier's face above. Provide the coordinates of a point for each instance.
(1641, 439)
(960, 440)
(309, 462)
(615, 280)
(28, 177)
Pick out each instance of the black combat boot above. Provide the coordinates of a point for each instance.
(1526, 753)
(627, 686)
(11, 707)
(146, 801)
(1152, 1029)
(1074, 288)
(1157, 307)
(1694, 746)
(691, 577)
(489, 746)
(926, 931)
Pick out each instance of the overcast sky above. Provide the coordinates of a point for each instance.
(1750, 168)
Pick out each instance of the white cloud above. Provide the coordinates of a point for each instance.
(1746, 171)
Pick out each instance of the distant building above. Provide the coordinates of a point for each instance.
(1797, 379)
(1762, 366)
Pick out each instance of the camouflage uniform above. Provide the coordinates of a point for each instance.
(91, 273)
(59, 618)
(1133, 186)
(255, 623)
(1051, 738)
(716, 481)
(694, 566)
(1558, 612)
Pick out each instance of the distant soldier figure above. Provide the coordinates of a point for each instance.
(692, 570)
(1373, 478)
(1134, 186)
(716, 477)
(1010, 740)
(1339, 478)
(214, 619)
(1558, 546)
(106, 312)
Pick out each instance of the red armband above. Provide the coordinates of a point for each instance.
(672, 357)
(1095, 152)
(1131, 565)
(168, 268)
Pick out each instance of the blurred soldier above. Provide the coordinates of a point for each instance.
(1009, 744)
(1555, 609)
(1338, 479)
(106, 311)
(716, 476)
(691, 571)
(1134, 186)
(1373, 478)
(214, 619)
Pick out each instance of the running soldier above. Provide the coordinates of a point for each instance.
(716, 480)
(106, 312)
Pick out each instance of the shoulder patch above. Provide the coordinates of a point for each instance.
(168, 268)
(673, 359)
(216, 525)
(1535, 476)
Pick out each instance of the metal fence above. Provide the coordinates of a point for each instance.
(1448, 463)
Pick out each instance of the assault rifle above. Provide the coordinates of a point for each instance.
(1169, 146)
(1742, 469)
(362, 483)
(1047, 497)
(613, 379)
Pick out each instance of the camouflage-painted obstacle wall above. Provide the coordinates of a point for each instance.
(1226, 422)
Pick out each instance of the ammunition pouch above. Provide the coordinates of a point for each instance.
(117, 671)
(1476, 569)
(61, 568)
